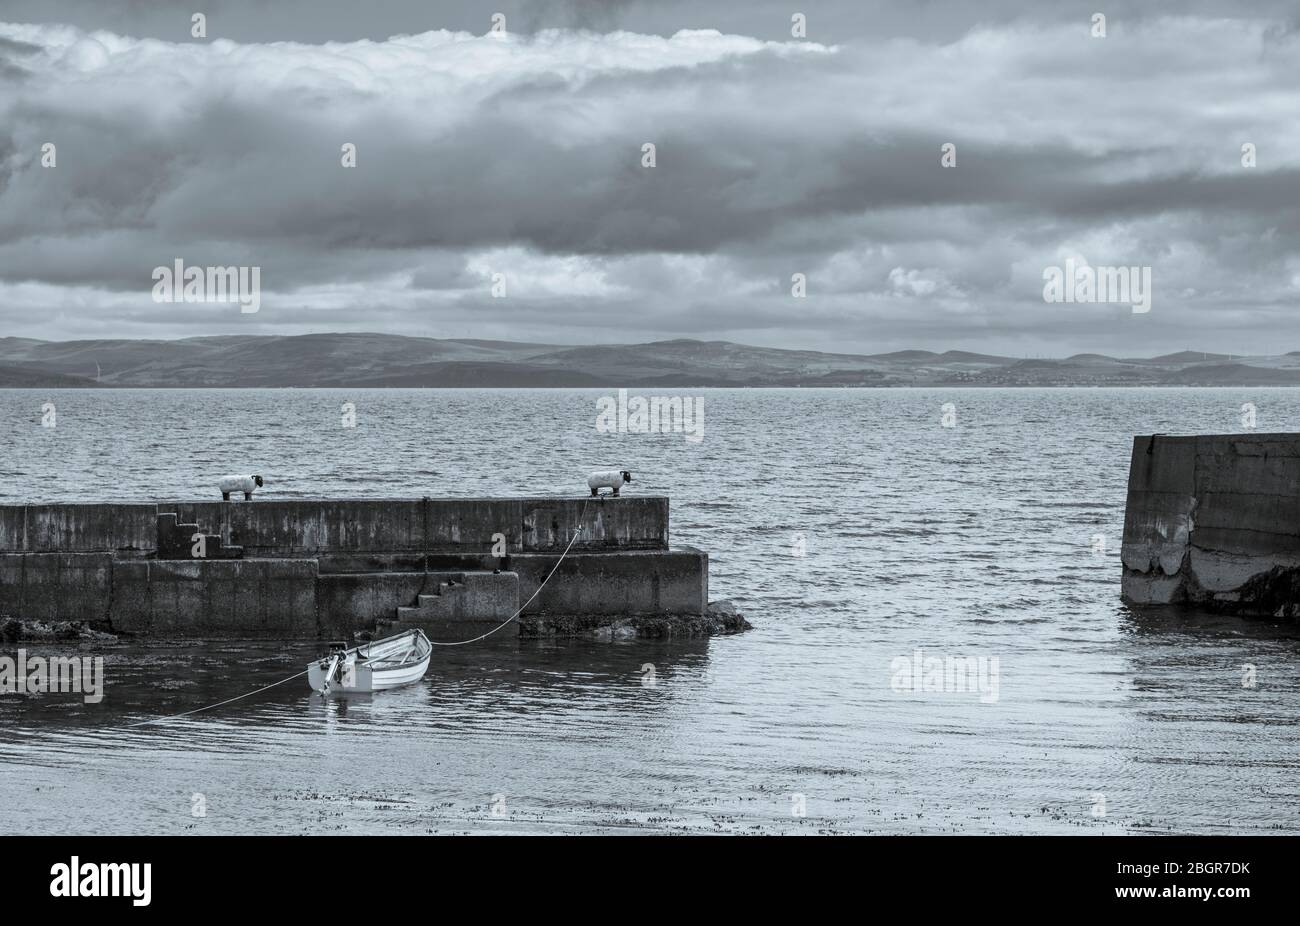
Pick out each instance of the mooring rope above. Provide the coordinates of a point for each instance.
(219, 703)
(482, 636)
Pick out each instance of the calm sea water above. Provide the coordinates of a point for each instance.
(978, 540)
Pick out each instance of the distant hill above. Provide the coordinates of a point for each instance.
(906, 355)
(361, 360)
(12, 377)
(1091, 358)
(961, 356)
(1234, 374)
(1190, 356)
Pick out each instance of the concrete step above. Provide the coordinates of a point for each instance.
(176, 541)
(469, 600)
(436, 599)
(221, 551)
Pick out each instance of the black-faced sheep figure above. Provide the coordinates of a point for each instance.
(608, 479)
(245, 484)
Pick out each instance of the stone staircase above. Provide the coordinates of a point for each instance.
(459, 600)
(177, 541)
(446, 601)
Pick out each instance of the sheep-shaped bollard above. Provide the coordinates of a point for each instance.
(608, 479)
(245, 484)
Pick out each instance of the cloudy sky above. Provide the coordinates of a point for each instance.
(776, 155)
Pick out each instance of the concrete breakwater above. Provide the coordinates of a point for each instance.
(1214, 521)
(325, 568)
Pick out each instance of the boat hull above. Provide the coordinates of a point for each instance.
(363, 679)
(357, 676)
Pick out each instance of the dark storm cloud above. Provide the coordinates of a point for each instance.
(10, 48)
(478, 156)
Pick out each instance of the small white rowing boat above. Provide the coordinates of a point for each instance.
(375, 666)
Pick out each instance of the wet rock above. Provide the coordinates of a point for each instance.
(720, 618)
(10, 629)
(13, 630)
(730, 620)
(1275, 592)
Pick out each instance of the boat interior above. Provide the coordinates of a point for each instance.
(392, 653)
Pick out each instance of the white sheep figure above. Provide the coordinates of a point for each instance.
(608, 479)
(245, 484)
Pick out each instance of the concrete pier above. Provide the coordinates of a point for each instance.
(1214, 521)
(325, 568)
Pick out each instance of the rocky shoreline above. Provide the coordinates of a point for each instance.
(721, 619)
(15, 630)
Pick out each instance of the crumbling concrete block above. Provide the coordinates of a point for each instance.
(1213, 521)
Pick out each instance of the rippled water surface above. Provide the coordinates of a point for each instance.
(979, 540)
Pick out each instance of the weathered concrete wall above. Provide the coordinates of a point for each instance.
(123, 528)
(244, 598)
(435, 525)
(326, 568)
(56, 586)
(1214, 520)
(311, 527)
(641, 582)
(608, 524)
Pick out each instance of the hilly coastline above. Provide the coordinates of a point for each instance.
(361, 360)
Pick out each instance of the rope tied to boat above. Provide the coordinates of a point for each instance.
(219, 703)
(482, 636)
